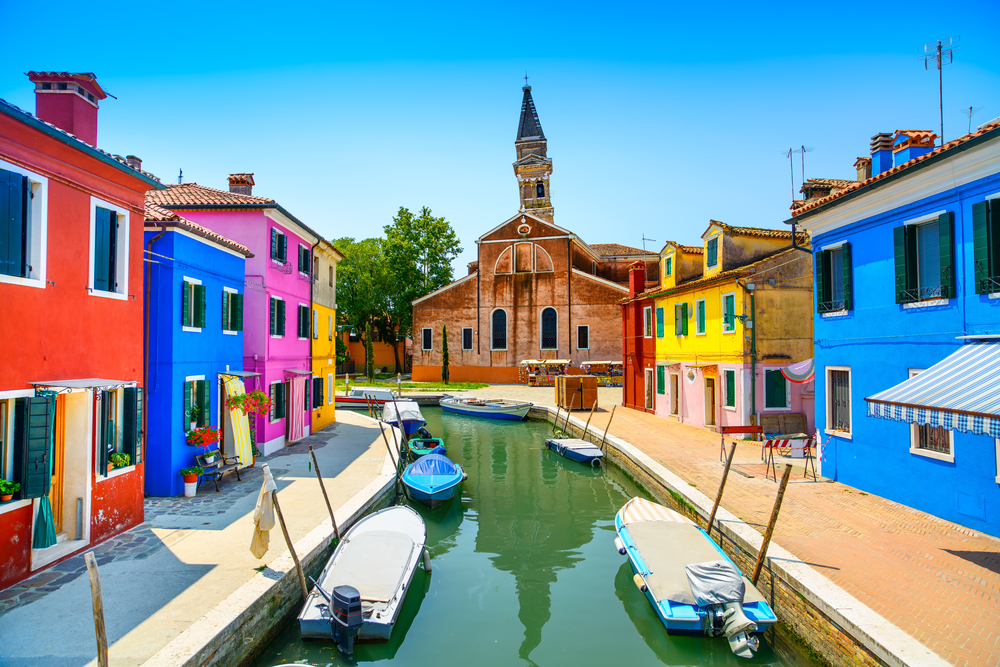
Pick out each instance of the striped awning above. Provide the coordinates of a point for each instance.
(961, 393)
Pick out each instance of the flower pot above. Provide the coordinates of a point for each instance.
(209, 459)
(5, 498)
(194, 425)
(111, 466)
(191, 488)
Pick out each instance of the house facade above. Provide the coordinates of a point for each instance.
(707, 346)
(324, 332)
(70, 270)
(278, 297)
(906, 324)
(195, 295)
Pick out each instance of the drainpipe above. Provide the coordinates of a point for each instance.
(315, 327)
(753, 356)
(795, 246)
(145, 346)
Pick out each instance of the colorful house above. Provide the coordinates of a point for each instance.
(324, 333)
(708, 345)
(71, 379)
(277, 301)
(195, 291)
(907, 327)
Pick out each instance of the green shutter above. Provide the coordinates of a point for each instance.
(700, 307)
(659, 323)
(677, 319)
(670, 261)
(946, 232)
(776, 389)
(102, 247)
(661, 382)
(994, 237)
(185, 304)
(283, 248)
(274, 316)
(225, 311)
(821, 267)
(318, 396)
(199, 305)
(186, 415)
(981, 245)
(899, 239)
(730, 389)
(132, 425)
(846, 267)
(713, 252)
(204, 402)
(279, 400)
(281, 317)
(238, 317)
(106, 442)
(15, 199)
(33, 459)
(274, 243)
(684, 319)
(305, 396)
(729, 312)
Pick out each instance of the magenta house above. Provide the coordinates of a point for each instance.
(277, 296)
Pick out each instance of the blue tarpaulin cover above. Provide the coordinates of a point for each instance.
(433, 464)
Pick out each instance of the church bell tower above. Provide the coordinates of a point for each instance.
(532, 166)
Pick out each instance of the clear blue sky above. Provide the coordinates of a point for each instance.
(658, 117)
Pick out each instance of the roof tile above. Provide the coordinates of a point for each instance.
(158, 214)
(618, 250)
(192, 195)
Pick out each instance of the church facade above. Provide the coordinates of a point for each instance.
(536, 290)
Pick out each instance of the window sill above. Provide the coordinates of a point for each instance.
(846, 435)
(12, 505)
(701, 333)
(226, 332)
(466, 349)
(278, 337)
(301, 338)
(492, 349)
(926, 304)
(23, 282)
(116, 472)
(107, 295)
(191, 329)
(784, 409)
(836, 313)
(731, 408)
(937, 456)
(725, 333)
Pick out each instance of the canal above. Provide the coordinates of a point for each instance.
(525, 569)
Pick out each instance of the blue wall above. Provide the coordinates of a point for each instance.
(175, 354)
(880, 340)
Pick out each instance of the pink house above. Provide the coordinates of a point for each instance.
(278, 296)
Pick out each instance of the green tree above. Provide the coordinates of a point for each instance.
(369, 353)
(444, 353)
(362, 286)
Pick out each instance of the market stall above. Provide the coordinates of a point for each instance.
(541, 372)
(608, 373)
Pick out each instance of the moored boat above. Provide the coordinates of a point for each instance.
(576, 449)
(492, 408)
(359, 398)
(409, 418)
(692, 585)
(362, 587)
(423, 446)
(432, 479)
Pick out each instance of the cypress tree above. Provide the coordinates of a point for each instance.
(444, 353)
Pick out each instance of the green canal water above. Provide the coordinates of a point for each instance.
(524, 570)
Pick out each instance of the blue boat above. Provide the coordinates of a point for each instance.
(692, 585)
(423, 446)
(432, 479)
(410, 419)
(576, 449)
(491, 408)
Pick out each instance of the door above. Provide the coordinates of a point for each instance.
(649, 380)
(709, 401)
(58, 459)
(675, 394)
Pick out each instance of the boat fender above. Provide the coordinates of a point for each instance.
(595, 463)
(639, 582)
(427, 560)
(620, 545)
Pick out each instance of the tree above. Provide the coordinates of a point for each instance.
(444, 353)
(369, 353)
(362, 286)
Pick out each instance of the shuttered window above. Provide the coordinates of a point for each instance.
(315, 324)
(279, 246)
(712, 252)
(583, 337)
(15, 224)
(426, 339)
(834, 292)
(728, 313)
(329, 327)
(700, 316)
(550, 329)
(33, 452)
(659, 322)
(105, 250)
(303, 259)
(317, 393)
(278, 394)
(839, 400)
(661, 380)
(305, 397)
(277, 317)
(730, 388)
(232, 311)
(466, 338)
(647, 322)
(924, 260)
(986, 246)
(303, 321)
(192, 305)
(775, 390)
(681, 319)
(132, 425)
(498, 330)
(668, 264)
(197, 403)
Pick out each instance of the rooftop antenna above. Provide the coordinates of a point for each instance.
(180, 177)
(804, 150)
(939, 54)
(970, 112)
(791, 169)
(645, 264)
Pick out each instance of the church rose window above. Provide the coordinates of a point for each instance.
(499, 330)
(550, 329)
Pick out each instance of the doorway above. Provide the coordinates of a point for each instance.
(709, 401)
(648, 375)
(675, 394)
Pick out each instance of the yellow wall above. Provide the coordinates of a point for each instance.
(713, 346)
(324, 363)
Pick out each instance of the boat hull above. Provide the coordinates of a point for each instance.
(345, 403)
(434, 498)
(515, 412)
(581, 454)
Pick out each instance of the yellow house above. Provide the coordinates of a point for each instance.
(324, 333)
(711, 368)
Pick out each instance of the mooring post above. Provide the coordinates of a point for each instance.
(587, 427)
(389, 448)
(722, 485)
(607, 427)
(569, 412)
(291, 548)
(555, 422)
(770, 524)
(333, 519)
(98, 600)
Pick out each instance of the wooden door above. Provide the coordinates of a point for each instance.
(709, 401)
(648, 374)
(58, 459)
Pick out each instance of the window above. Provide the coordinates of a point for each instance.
(108, 250)
(838, 399)
(4, 441)
(775, 390)
(647, 375)
(278, 393)
(305, 397)
(661, 380)
(681, 319)
(540, 191)
(329, 386)
(304, 259)
(277, 316)
(699, 308)
(466, 338)
(931, 441)
(279, 246)
(668, 266)
(712, 250)
(26, 438)
(317, 401)
(22, 224)
(659, 322)
(986, 245)
(498, 330)
(329, 327)
(232, 310)
(593, 268)
(315, 324)
(647, 322)
(833, 279)
(303, 322)
(315, 268)
(729, 377)
(330, 278)
(192, 305)
(728, 313)
(427, 339)
(924, 254)
(583, 336)
(550, 329)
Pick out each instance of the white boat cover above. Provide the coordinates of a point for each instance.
(640, 509)
(409, 411)
(715, 582)
(577, 445)
(374, 562)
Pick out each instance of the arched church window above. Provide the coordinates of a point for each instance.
(550, 329)
(540, 190)
(499, 330)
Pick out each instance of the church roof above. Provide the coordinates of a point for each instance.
(529, 127)
(618, 250)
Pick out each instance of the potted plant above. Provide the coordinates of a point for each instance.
(8, 489)
(120, 460)
(204, 436)
(190, 476)
(193, 413)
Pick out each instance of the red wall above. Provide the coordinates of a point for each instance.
(15, 545)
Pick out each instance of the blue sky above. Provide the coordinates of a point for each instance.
(659, 117)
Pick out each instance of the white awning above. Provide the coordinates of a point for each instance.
(298, 371)
(88, 383)
(240, 374)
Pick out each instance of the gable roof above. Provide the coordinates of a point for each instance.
(157, 216)
(618, 250)
(192, 195)
(758, 232)
(529, 127)
(526, 214)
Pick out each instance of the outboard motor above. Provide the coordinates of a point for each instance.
(424, 433)
(718, 588)
(345, 617)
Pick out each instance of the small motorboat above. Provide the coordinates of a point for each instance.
(692, 585)
(423, 446)
(409, 419)
(361, 589)
(359, 398)
(432, 479)
(492, 408)
(576, 449)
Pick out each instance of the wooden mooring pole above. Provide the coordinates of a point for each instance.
(607, 427)
(591, 416)
(95, 593)
(291, 547)
(770, 524)
(333, 519)
(722, 485)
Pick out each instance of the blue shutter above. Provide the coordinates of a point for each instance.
(113, 252)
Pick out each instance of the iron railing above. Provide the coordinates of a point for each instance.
(832, 306)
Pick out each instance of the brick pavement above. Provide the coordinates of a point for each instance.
(938, 581)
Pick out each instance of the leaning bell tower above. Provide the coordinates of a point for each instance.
(532, 166)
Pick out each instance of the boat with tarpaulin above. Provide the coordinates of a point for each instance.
(492, 408)
(432, 479)
(409, 417)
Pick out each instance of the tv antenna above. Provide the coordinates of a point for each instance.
(938, 54)
(180, 177)
(645, 264)
(803, 150)
(970, 112)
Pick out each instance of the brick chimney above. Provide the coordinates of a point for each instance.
(69, 100)
(636, 278)
(881, 153)
(864, 167)
(134, 162)
(241, 183)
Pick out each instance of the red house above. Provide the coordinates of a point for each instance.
(638, 345)
(71, 329)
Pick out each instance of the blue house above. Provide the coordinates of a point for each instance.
(907, 324)
(194, 319)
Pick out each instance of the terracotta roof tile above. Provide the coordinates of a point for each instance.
(617, 250)
(758, 231)
(192, 195)
(158, 216)
(833, 182)
(989, 127)
(695, 249)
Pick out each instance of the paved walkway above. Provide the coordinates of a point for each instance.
(188, 556)
(938, 581)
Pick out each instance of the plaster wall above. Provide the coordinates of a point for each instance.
(324, 364)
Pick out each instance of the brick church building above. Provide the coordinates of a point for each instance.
(536, 290)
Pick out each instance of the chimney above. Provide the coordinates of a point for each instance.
(69, 100)
(636, 278)
(134, 162)
(864, 167)
(909, 144)
(241, 183)
(881, 153)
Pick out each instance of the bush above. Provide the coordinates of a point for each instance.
(9, 488)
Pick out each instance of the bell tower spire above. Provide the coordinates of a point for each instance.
(532, 167)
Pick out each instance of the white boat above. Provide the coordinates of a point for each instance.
(378, 557)
(358, 398)
(410, 418)
(492, 408)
